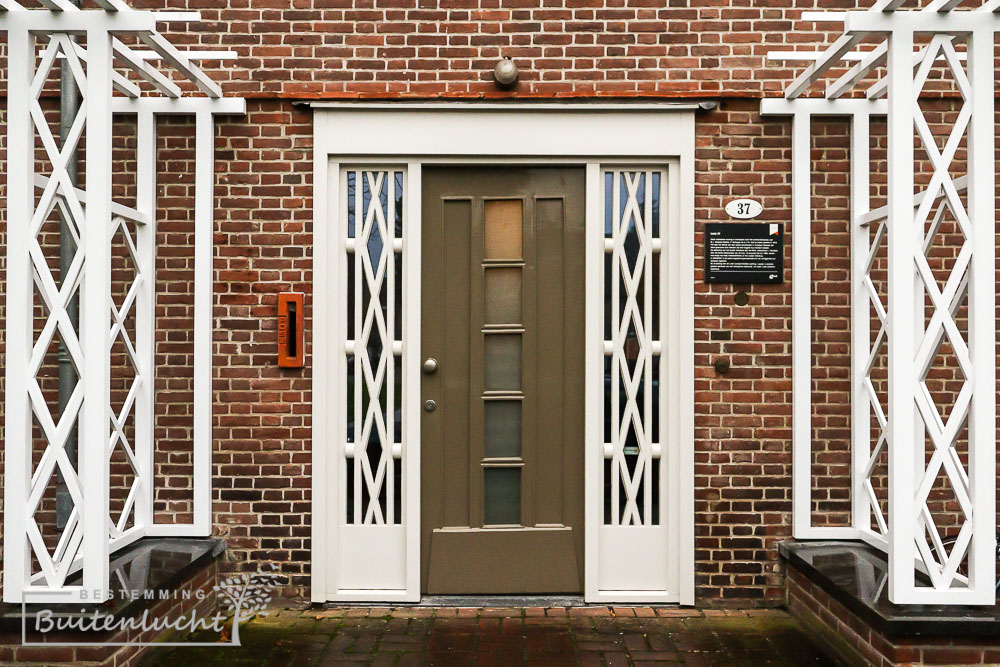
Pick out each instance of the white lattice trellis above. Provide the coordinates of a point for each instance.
(941, 565)
(872, 393)
(920, 310)
(114, 428)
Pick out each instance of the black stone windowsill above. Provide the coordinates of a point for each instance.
(150, 564)
(856, 575)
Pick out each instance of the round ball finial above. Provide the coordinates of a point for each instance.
(505, 73)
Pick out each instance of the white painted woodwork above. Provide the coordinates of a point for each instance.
(917, 314)
(370, 546)
(635, 529)
(377, 139)
(38, 40)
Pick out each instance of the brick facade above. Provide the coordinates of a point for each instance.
(309, 49)
(854, 641)
(200, 603)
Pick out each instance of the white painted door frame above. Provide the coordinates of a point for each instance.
(382, 562)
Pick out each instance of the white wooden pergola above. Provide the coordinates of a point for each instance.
(112, 78)
(879, 67)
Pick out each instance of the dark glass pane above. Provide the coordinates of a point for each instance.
(399, 204)
(607, 399)
(609, 269)
(351, 295)
(655, 421)
(351, 426)
(503, 362)
(655, 222)
(503, 295)
(398, 399)
(609, 211)
(374, 244)
(502, 426)
(503, 496)
(352, 186)
(398, 296)
(657, 257)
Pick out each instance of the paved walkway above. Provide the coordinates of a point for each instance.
(496, 636)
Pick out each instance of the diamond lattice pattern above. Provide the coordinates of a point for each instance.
(58, 200)
(632, 251)
(126, 376)
(374, 231)
(942, 335)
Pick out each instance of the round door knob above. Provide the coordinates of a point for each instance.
(430, 405)
(430, 365)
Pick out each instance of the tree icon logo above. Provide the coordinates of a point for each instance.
(245, 595)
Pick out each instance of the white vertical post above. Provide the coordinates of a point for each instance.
(203, 300)
(617, 345)
(95, 296)
(982, 317)
(411, 297)
(801, 327)
(902, 517)
(20, 204)
(593, 377)
(322, 374)
(646, 460)
(860, 320)
(682, 198)
(353, 462)
(389, 347)
(145, 306)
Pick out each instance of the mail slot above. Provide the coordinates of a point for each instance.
(291, 347)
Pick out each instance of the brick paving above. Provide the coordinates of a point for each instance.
(512, 636)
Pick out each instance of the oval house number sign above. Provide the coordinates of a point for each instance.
(744, 209)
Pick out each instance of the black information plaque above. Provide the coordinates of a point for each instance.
(743, 252)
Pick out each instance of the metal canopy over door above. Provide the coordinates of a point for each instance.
(503, 386)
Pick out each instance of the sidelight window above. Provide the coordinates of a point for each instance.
(632, 347)
(374, 202)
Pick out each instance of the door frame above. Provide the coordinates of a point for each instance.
(409, 135)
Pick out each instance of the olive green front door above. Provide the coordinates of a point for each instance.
(503, 380)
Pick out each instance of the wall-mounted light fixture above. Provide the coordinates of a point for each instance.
(505, 73)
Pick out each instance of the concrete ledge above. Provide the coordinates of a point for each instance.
(150, 564)
(838, 591)
(856, 575)
(180, 575)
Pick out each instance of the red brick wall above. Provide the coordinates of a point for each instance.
(431, 48)
(262, 413)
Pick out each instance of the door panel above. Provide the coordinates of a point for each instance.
(502, 461)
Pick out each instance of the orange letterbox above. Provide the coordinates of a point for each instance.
(291, 341)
